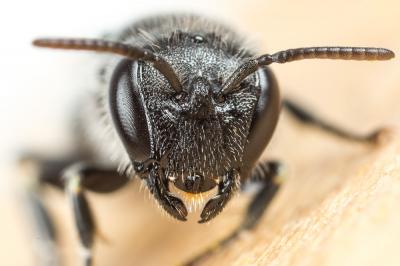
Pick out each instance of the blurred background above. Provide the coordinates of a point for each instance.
(39, 89)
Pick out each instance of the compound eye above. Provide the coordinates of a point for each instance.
(129, 112)
(264, 121)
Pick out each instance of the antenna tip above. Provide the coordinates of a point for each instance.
(40, 42)
(36, 42)
(390, 54)
(384, 54)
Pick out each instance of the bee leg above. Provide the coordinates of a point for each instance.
(307, 117)
(269, 176)
(36, 172)
(78, 178)
(46, 240)
(266, 175)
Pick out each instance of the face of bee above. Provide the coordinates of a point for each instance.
(196, 136)
(200, 134)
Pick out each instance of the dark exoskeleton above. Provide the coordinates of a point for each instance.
(192, 108)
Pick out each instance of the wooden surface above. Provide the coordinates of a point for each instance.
(340, 202)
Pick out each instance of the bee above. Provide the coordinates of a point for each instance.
(188, 108)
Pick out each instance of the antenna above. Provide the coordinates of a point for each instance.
(126, 50)
(342, 53)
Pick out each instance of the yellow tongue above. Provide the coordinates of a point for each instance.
(193, 202)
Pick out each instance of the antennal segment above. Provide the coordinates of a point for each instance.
(342, 53)
(132, 52)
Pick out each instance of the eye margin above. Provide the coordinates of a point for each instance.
(128, 111)
(265, 119)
